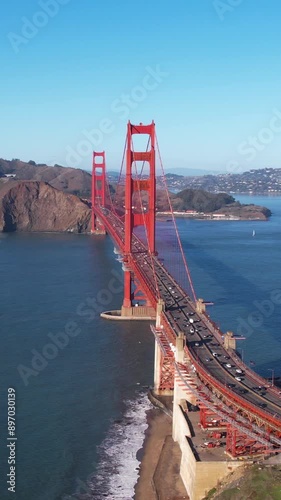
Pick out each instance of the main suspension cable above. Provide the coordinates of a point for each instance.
(143, 217)
(174, 222)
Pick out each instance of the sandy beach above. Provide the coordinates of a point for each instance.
(160, 460)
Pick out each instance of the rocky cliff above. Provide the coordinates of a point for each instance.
(37, 206)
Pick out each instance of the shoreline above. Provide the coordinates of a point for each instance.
(213, 219)
(143, 487)
(159, 461)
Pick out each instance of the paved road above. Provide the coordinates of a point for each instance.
(205, 344)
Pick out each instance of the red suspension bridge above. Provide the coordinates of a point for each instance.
(190, 348)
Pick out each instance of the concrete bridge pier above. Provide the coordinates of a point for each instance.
(160, 307)
(200, 306)
(98, 231)
(157, 368)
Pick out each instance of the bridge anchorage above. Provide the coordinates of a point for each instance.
(223, 412)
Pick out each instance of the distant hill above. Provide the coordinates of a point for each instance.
(201, 201)
(187, 172)
(70, 180)
(77, 181)
(189, 193)
(198, 201)
(261, 181)
(220, 203)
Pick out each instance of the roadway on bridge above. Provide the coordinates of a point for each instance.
(205, 345)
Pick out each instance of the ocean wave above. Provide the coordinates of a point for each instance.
(118, 467)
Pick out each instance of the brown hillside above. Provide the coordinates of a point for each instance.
(71, 180)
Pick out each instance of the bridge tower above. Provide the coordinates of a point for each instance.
(98, 189)
(133, 219)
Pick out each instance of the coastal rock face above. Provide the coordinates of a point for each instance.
(37, 206)
(246, 212)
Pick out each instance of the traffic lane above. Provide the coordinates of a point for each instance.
(170, 292)
(233, 370)
(228, 365)
(179, 321)
(216, 369)
(198, 333)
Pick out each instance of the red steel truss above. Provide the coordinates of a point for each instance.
(167, 364)
(209, 419)
(240, 444)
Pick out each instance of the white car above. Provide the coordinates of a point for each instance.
(238, 378)
(228, 365)
(238, 370)
(214, 354)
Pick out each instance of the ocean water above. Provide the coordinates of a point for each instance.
(241, 274)
(81, 381)
(91, 392)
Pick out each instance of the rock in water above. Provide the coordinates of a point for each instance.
(37, 206)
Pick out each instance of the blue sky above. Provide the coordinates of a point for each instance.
(207, 71)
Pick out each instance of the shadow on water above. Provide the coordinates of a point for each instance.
(229, 279)
(236, 276)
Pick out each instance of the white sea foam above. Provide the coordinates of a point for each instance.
(118, 467)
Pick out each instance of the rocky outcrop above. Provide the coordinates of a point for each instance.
(246, 212)
(37, 206)
(217, 203)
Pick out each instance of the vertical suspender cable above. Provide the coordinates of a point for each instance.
(174, 222)
(144, 223)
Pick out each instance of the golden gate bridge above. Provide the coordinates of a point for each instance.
(191, 352)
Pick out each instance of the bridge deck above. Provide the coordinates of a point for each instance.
(203, 340)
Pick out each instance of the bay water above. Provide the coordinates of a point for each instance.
(81, 381)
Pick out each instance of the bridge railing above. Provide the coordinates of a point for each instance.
(265, 417)
(151, 291)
